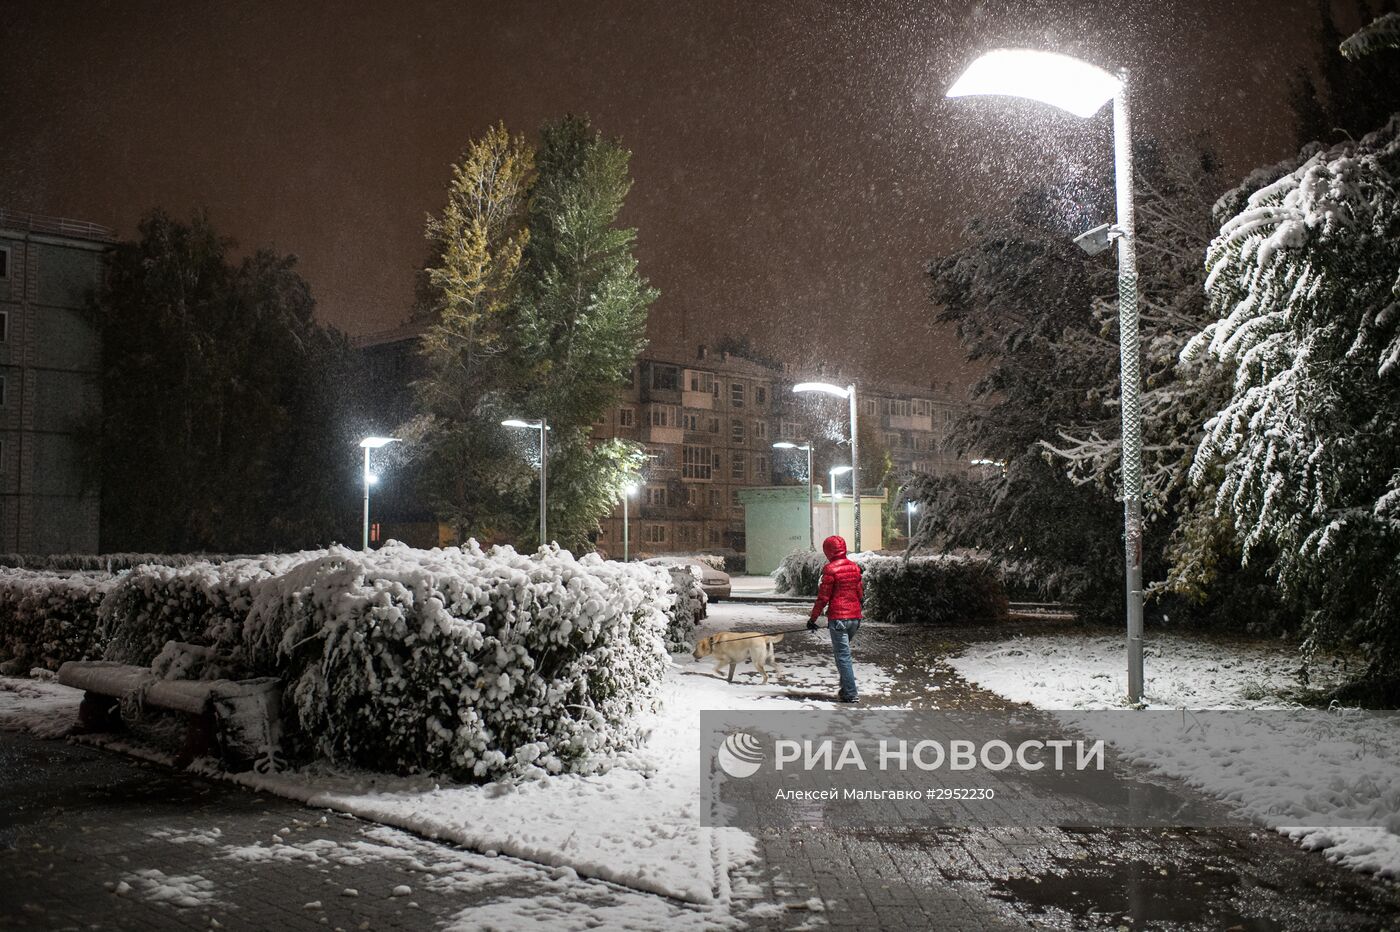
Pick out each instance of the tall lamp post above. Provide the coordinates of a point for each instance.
(1082, 89)
(811, 530)
(543, 427)
(849, 393)
(835, 497)
(367, 444)
(910, 508)
(627, 492)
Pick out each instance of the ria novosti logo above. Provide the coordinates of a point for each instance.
(740, 755)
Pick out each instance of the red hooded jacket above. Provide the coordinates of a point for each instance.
(841, 591)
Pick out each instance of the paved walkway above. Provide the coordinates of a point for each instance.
(93, 839)
(993, 878)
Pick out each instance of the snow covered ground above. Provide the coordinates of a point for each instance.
(637, 825)
(1243, 763)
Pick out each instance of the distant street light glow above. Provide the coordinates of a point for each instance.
(1051, 78)
(826, 387)
(849, 393)
(369, 479)
(811, 504)
(543, 428)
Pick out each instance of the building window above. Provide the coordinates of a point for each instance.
(690, 420)
(788, 430)
(662, 457)
(734, 498)
(4, 262)
(736, 394)
(714, 425)
(4, 395)
(685, 534)
(656, 495)
(714, 536)
(665, 378)
(665, 416)
(4, 326)
(760, 468)
(702, 382)
(736, 431)
(714, 498)
(868, 407)
(656, 533)
(374, 533)
(893, 441)
(760, 395)
(692, 496)
(697, 463)
(760, 431)
(738, 467)
(626, 416)
(923, 407)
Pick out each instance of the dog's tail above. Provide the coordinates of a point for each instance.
(773, 639)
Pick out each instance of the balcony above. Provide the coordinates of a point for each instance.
(704, 401)
(671, 436)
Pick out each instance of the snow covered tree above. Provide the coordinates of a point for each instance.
(1303, 281)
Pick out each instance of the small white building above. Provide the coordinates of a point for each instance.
(775, 523)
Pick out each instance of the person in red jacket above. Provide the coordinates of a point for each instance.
(841, 595)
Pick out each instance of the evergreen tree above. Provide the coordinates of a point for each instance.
(538, 312)
(1303, 278)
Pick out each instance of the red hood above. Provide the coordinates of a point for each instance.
(834, 547)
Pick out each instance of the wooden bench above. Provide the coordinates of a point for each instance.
(238, 720)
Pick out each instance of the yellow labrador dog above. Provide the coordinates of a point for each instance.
(732, 647)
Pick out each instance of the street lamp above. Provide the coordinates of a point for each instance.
(910, 508)
(811, 531)
(367, 444)
(849, 393)
(1082, 89)
(627, 492)
(543, 428)
(835, 508)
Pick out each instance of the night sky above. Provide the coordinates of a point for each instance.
(794, 163)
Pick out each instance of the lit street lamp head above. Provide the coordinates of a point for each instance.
(516, 422)
(785, 445)
(840, 470)
(1051, 78)
(374, 443)
(825, 387)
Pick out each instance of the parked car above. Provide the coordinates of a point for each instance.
(713, 581)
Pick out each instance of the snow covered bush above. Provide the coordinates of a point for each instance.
(1305, 279)
(46, 619)
(799, 573)
(932, 589)
(477, 664)
(197, 603)
(687, 608)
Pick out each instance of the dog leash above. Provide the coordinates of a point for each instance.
(771, 633)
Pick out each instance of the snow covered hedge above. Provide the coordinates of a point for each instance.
(935, 590)
(46, 619)
(477, 664)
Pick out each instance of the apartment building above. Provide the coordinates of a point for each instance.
(49, 358)
(709, 425)
(708, 429)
